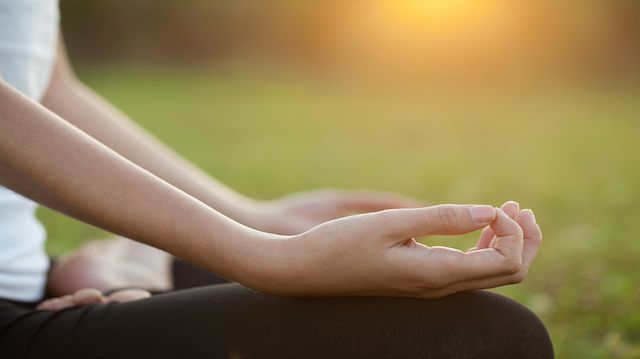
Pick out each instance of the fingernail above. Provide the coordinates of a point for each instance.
(514, 202)
(531, 213)
(482, 214)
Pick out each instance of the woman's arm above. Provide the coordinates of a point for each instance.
(89, 112)
(54, 163)
(80, 106)
(47, 159)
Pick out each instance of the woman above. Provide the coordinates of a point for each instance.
(326, 291)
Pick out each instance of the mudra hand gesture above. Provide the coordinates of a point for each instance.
(376, 253)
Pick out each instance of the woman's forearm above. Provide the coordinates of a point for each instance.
(51, 161)
(86, 110)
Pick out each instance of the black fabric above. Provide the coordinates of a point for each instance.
(230, 321)
(186, 275)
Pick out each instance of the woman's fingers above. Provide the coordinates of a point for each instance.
(509, 236)
(511, 208)
(504, 259)
(485, 238)
(439, 267)
(532, 241)
(532, 236)
(447, 219)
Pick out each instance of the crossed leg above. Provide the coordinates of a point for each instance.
(230, 321)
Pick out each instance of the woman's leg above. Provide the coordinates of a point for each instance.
(230, 321)
(185, 275)
(111, 264)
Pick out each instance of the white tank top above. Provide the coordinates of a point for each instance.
(28, 39)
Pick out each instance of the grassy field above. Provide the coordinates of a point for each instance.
(570, 154)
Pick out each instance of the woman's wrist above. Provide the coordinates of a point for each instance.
(256, 214)
(242, 209)
(247, 256)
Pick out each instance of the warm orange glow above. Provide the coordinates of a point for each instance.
(433, 12)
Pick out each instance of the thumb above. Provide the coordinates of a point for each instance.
(446, 219)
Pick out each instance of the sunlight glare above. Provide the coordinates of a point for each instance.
(413, 12)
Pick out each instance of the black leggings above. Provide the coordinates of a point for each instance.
(230, 321)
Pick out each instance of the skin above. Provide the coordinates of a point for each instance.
(120, 263)
(532, 239)
(292, 214)
(91, 296)
(57, 164)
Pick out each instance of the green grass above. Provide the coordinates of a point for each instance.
(570, 154)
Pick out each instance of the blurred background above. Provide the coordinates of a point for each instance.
(461, 101)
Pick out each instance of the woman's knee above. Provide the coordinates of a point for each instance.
(513, 330)
(465, 325)
(251, 325)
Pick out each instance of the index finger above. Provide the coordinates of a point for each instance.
(503, 259)
(532, 241)
(511, 208)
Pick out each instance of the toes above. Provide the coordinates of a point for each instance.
(88, 296)
(57, 303)
(128, 295)
(47, 304)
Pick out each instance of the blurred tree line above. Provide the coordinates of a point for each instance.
(384, 39)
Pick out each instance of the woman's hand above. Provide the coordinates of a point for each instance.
(298, 212)
(376, 254)
(90, 296)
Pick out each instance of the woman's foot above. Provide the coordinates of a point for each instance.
(89, 296)
(111, 264)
